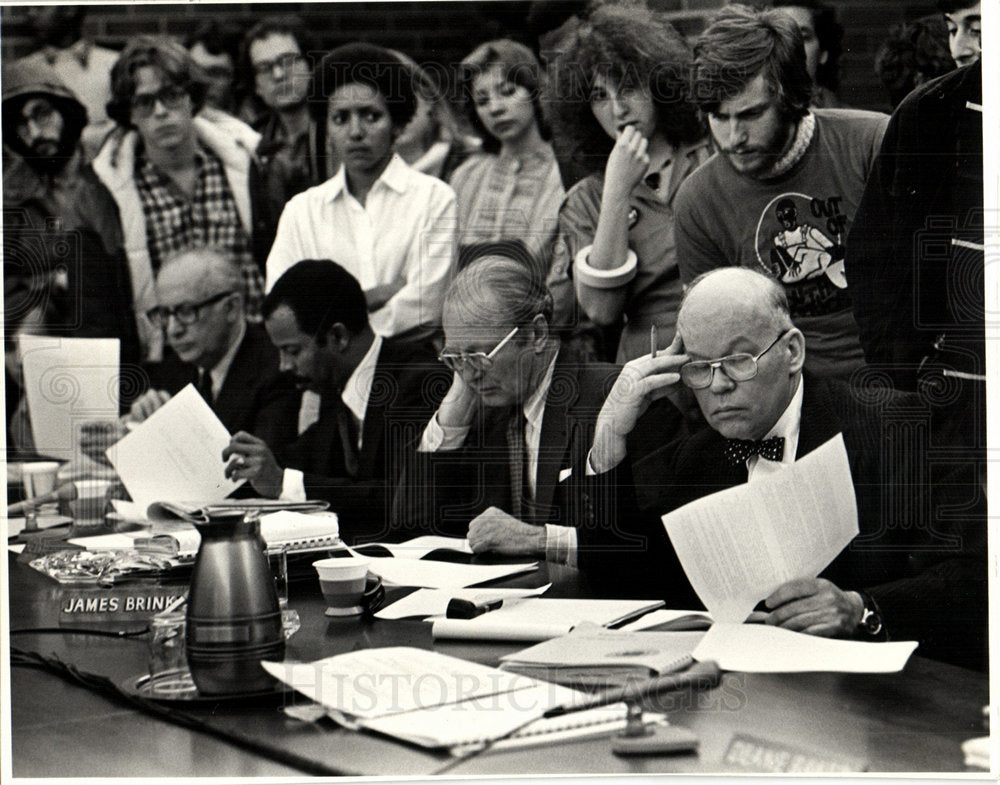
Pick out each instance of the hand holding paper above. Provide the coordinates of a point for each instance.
(175, 454)
(740, 545)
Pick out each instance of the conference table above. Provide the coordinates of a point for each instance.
(913, 721)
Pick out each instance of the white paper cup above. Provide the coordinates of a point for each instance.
(342, 582)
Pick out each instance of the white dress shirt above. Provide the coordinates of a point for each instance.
(355, 396)
(405, 232)
(560, 541)
(787, 426)
(221, 368)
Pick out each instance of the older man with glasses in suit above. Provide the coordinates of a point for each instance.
(501, 460)
(918, 567)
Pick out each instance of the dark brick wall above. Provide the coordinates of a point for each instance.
(443, 32)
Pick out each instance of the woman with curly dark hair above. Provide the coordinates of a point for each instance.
(618, 91)
(512, 189)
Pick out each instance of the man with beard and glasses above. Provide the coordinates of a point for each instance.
(781, 192)
(64, 261)
(376, 392)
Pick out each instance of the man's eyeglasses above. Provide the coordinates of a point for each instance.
(171, 96)
(285, 62)
(477, 361)
(185, 313)
(741, 367)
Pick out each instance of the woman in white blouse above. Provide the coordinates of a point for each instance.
(391, 227)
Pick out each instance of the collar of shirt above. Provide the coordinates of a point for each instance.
(359, 386)
(218, 373)
(787, 426)
(396, 176)
(79, 51)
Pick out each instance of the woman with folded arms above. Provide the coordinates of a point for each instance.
(512, 190)
(618, 94)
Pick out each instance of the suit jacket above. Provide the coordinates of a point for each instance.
(441, 492)
(921, 550)
(407, 387)
(254, 397)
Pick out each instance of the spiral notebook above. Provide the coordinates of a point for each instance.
(441, 702)
(180, 540)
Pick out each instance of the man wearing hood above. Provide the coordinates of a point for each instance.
(63, 256)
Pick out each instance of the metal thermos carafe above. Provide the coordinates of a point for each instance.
(233, 617)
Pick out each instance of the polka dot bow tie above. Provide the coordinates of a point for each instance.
(738, 450)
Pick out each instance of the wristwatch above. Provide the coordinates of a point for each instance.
(871, 617)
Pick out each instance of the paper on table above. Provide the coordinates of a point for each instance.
(383, 681)
(739, 545)
(434, 602)
(536, 619)
(441, 575)
(67, 382)
(664, 616)
(761, 648)
(419, 547)
(175, 454)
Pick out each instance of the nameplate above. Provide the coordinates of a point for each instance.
(751, 753)
(102, 605)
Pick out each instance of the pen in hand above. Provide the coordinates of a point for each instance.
(652, 342)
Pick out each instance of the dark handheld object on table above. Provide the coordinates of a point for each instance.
(467, 609)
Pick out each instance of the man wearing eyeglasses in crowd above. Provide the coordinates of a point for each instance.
(911, 573)
(232, 364)
(375, 394)
(274, 58)
(178, 179)
(502, 458)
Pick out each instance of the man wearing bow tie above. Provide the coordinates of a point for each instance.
(911, 572)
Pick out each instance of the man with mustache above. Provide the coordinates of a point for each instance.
(62, 244)
(376, 393)
(781, 192)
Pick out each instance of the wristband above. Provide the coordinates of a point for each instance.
(604, 279)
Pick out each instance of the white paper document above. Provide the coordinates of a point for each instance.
(434, 602)
(175, 454)
(761, 648)
(440, 574)
(540, 618)
(738, 545)
(679, 620)
(422, 696)
(419, 547)
(68, 382)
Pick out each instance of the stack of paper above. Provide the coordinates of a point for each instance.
(591, 655)
(431, 699)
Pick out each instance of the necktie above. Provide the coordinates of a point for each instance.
(517, 454)
(348, 430)
(204, 385)
(739, 450)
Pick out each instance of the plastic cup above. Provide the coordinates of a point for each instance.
(90, 504)
(39, 478)
(342, 582)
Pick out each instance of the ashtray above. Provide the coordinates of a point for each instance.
(177, 686)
